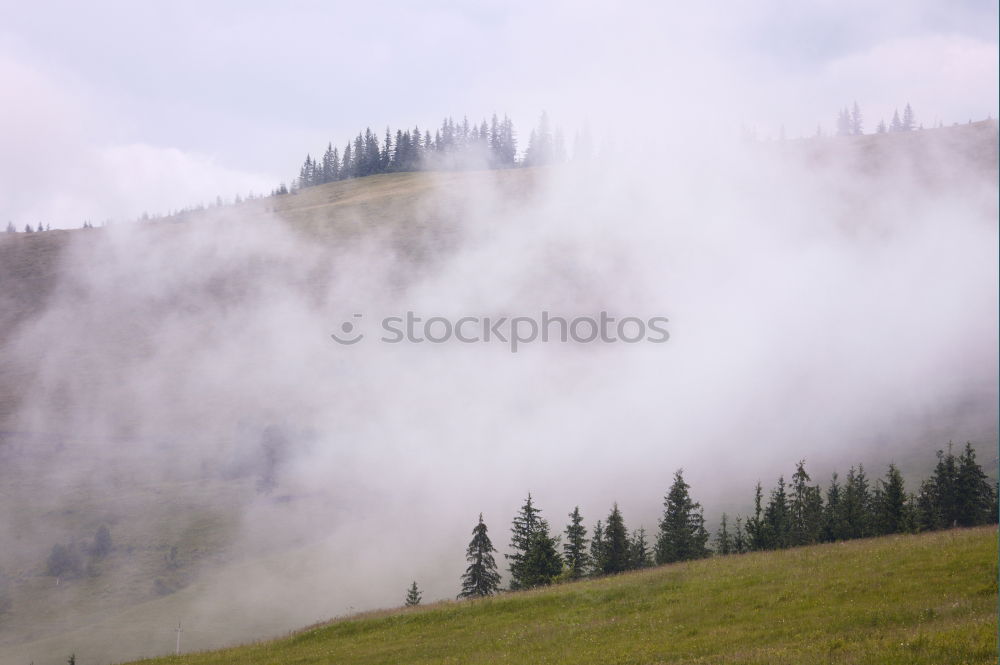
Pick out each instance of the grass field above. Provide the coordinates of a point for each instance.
(930, 598)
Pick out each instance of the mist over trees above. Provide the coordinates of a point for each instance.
(489, 144)
(453, 146)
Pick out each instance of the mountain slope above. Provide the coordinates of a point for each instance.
(907, 599)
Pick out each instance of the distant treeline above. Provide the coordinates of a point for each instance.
(453, 146)
(958, 494)
(493, 145)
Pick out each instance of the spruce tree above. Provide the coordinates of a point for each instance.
(386, 161)
(542, 562)
(416, 152)
(777, 522)
(682, 533)
(723, 539)
(755, 523)
(857, 122)
(508, 144)
(399, 155)
(534, 559)
(481, 577)
(834, 524)
(597, 549)
(857, 503)
(331, 167)
(413, 595)
(926, 508)
(908, 119)
(805, 508)
(974, 496)
(616, 548)
(361, 160)
(895, 125)
(305, 178)
(639, 555)
(890, 503)
(575, 548)
(740, 544)
(347, 163)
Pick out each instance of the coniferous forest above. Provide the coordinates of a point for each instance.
(800, 512)
(452, 146)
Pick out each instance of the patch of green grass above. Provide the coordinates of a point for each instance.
(930, 598)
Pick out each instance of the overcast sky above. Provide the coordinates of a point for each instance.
(112, 108)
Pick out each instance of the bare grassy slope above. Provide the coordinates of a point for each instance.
(906, 599)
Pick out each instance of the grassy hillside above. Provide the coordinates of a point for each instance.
(908, 599)
(128, 607)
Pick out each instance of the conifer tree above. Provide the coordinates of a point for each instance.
(542, 562)
(805, 508)
(481, 577)
(908, 119)
(834, 526)
(755, 523)
(305, 178)
(881, 129)
(413, 595)
(534, 559)
(399, 156)
(10, 227)
(508, 143)
(361, 160)
(331, 167)
(723, 539)
(575, 548)
(974, 496)
(347, 163)
(926, 508)
(857, 122)
(682, 533)
(597, 549)
(895, 125)
(415, 155)
(890, 503)
(386, 160)
(640, 555)
(857, 503)
(616, 546)
(740, 544)
(777, 522)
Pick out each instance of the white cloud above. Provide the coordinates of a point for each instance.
(57, 168)
(951, 76)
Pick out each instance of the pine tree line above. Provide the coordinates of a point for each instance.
(538, 557)
(958, 494)
(850, 122)
(28, 228)
(452, 146)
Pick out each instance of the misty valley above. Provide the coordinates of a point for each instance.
(633, 364)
